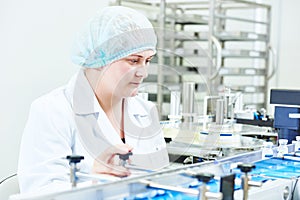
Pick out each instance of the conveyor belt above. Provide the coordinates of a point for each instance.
(266, 170)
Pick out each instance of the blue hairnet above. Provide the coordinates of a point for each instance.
(114, 33)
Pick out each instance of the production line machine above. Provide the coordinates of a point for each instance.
(214, 160)
(215, 134)
(245, 176)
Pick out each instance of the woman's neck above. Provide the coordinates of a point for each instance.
(111, 104)
(107, 100)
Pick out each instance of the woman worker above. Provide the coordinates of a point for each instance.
(98, 113)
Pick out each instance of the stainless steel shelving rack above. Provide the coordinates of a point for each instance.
(242, 29)
(212, 43)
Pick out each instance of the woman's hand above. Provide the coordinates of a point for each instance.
(106, 163)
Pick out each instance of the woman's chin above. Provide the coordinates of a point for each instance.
(134, 92)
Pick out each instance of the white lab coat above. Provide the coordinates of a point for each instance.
(69, 121)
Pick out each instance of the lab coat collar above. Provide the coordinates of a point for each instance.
(84, 99)
(135, 107)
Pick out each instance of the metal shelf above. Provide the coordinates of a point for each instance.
(190, 36)
(225, 71)
(189, 23)
(240, 36)
(222, 36)
(249, 89)
(228, 53)
(187, 52)
(177, 70)
(189, 19)
(240, 19)
(237, 53)
(224, 14)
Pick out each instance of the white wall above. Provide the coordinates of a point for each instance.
(35, 41)
(289, 52)
(285, 39)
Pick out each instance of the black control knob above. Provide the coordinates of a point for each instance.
(74, 158)
(125, 157)
(246, 167)
(204, 177)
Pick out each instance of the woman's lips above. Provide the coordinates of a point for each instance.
(135, 83)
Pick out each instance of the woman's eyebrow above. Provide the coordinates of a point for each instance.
(141, 56)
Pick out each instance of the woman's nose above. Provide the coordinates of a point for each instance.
(142, 71)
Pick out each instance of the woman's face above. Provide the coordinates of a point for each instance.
(123, 77)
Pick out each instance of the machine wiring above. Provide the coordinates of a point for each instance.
(8, 178)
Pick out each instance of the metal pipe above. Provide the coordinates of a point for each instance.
(73, 178)
(202, 190)
(161, 23)
(188, 92)
(220, 111)
(210, 43)
(169, 187)
(175, 103)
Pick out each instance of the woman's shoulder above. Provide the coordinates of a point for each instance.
(59, 96)
(53, 96)
(52, 103)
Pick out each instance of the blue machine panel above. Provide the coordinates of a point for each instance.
(282, 120)
(285, 97)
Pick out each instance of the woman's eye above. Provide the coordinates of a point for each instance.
(137, 61)
(134, 61)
